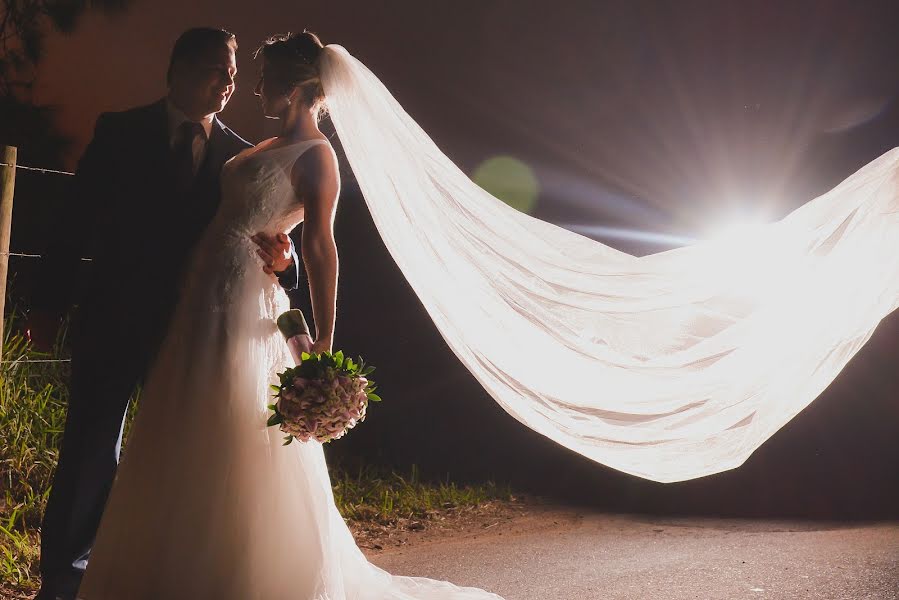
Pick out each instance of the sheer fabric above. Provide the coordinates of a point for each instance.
(670, 366)
(208, 503)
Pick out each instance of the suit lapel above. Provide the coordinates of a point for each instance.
(206, 184)
(159, 152)
(161, 128)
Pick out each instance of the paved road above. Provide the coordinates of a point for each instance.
(565, 555)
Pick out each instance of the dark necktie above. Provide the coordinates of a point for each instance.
(184, 153)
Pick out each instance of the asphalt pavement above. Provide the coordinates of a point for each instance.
(566, 554)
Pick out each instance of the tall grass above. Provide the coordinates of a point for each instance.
(33, 399)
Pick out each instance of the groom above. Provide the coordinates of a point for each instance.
(145, 189)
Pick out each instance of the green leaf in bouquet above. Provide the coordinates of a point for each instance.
(373, 397)
(367, 371)
(299, 369)
(338, 359)
(305, 356)
(287, 440)
(275, 388)
(275, 419)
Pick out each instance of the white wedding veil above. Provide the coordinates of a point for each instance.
(670, 366)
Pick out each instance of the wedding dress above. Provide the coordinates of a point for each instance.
(208, 504)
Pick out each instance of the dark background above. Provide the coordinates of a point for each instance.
(654, 119)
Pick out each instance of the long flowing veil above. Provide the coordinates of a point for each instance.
(670, 366)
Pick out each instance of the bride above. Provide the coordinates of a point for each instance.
(670, 366)
(207, 502)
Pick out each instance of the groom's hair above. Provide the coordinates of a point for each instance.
(196, 42)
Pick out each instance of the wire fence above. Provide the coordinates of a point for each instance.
(22, 361)
(42, 171)
(23, 255)
(38, 169)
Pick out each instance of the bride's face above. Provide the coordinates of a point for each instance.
(275, 103)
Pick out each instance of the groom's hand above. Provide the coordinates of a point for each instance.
(274, 252)
(41, 329)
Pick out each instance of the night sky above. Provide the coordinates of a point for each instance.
(664, 117)
(644, 123)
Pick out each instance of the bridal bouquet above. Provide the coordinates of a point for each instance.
(325, 395)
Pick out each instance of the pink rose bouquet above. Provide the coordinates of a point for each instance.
(325, 395)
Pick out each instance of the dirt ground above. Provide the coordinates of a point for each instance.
(448, 522)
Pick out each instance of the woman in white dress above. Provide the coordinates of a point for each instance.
(208, 503)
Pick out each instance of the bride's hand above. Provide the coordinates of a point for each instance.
(320, 346)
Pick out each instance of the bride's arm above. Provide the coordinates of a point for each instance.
(316, 181)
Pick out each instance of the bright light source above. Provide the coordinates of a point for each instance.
(734, 227)
(755, 260)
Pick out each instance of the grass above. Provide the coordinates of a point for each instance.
(375, 494)
(33, 398)
(32, 414)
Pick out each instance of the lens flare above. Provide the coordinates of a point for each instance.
(510, 180)
(602, 233)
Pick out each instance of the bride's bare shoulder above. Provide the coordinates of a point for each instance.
(316, 170)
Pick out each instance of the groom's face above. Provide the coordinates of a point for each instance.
(205, 85)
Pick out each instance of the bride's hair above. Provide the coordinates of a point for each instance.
(293, 62)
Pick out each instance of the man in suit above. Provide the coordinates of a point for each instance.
(145, 189)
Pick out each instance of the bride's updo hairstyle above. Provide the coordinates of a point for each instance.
(292, 59)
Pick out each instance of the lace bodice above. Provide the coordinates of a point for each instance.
(257, 194)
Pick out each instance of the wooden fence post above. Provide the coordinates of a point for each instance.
(7, 188)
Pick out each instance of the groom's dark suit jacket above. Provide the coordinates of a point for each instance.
(126, 213)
